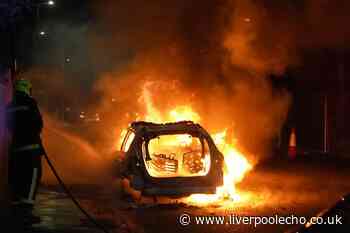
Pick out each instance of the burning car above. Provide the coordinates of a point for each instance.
(172, 159)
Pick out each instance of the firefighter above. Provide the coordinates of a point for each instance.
(25, 168)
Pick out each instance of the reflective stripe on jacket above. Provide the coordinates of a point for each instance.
(15, 109)
(29, 147)
(25, 124)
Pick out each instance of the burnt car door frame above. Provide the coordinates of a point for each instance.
(139, 177)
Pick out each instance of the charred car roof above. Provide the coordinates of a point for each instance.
(167, 128)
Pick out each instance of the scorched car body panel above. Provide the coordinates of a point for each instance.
(173, 159)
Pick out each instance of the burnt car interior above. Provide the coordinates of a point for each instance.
(180, 155)
(174, 157)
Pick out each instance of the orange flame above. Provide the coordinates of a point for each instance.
(235, 166)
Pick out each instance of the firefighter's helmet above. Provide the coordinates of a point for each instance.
(23, 85)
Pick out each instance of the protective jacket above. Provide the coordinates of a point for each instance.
(25, 124)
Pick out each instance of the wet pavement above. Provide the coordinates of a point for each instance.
(59, 215)
(301, 188)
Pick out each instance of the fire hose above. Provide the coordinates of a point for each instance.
(71, 196)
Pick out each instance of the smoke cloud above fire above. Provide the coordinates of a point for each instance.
(213, 55)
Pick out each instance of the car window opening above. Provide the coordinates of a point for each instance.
(179, 155)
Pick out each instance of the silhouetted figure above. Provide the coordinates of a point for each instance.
(25, 124)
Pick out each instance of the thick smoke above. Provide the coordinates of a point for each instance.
(323, 25)
(215, 55)
(212, 55)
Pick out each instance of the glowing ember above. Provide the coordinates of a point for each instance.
(235, 166)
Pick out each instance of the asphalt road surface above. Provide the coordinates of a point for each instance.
(299, 188)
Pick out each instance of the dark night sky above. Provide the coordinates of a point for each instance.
(322, 48)
(67, 26)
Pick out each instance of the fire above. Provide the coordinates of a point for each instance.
(235, 168)
(179, 113)
(183, 113)
(235, 163)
